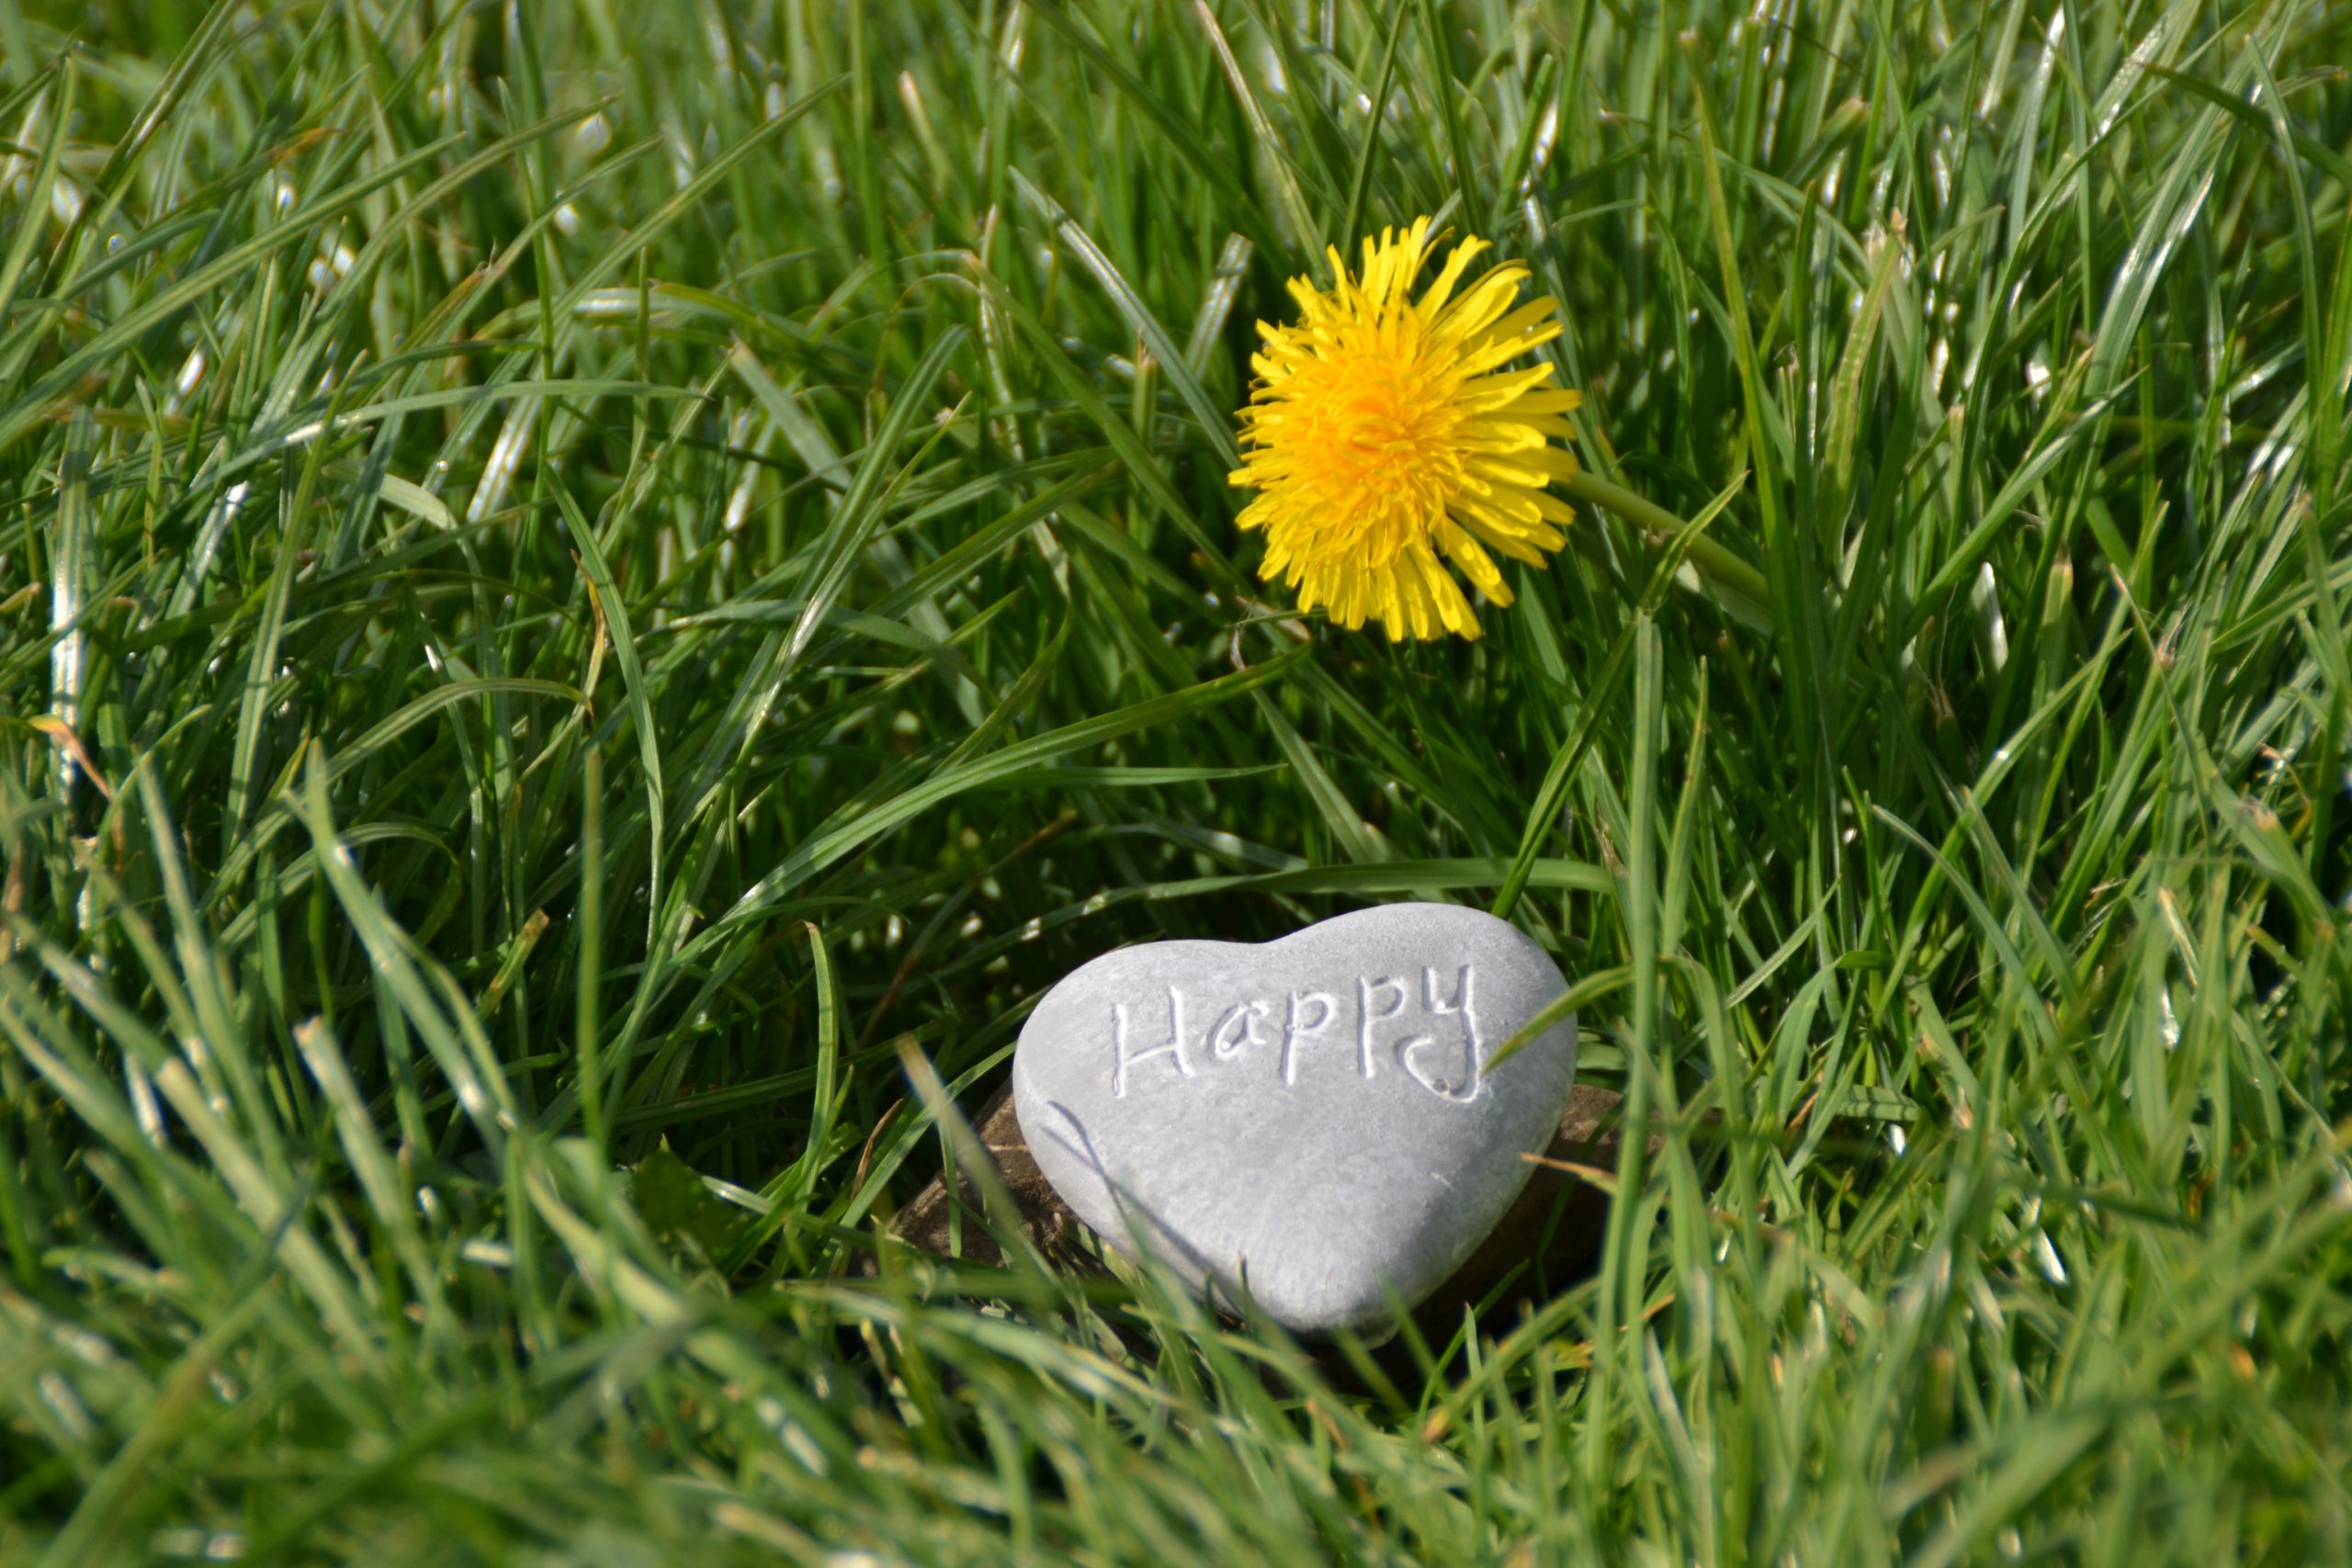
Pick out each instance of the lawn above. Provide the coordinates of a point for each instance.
(595, 597)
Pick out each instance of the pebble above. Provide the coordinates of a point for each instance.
(1313, 1120)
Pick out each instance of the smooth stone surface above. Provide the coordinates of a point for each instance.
(1313, 1115)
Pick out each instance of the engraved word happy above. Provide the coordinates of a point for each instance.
(1438, 1047)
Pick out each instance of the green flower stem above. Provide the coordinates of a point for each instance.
(1726, 570)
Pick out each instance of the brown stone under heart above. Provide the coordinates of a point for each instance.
(1546, 1239)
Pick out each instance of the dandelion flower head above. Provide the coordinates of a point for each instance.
(1384, 431)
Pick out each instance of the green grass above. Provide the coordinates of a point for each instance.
(581, 576)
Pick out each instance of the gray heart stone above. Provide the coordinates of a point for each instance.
(1315, 1116)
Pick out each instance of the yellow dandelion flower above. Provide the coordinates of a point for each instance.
(1383, 431)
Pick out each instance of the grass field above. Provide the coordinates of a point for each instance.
(593, 596)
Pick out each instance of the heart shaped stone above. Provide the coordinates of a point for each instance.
(1315, 1116)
